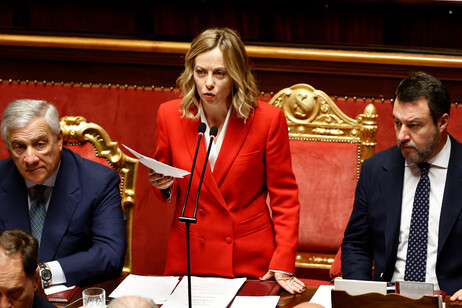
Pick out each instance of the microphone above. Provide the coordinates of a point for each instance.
(213, 133)
(200, 131)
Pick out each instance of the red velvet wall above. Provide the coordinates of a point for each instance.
(129, 117)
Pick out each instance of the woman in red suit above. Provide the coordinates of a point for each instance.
(236, 233)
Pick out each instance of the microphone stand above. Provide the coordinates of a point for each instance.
(200, 131)
(189, 220)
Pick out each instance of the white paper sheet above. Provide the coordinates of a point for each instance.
(158, 167)
(255, 301)
(357, 287)
(157, 288)
(206, 292)
(56, 288)
(323, 296)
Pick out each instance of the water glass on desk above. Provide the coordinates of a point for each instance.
(94, 298)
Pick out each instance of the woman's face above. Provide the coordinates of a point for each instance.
(213, 82)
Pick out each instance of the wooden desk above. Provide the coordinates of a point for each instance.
(252, 287)
(286, 300)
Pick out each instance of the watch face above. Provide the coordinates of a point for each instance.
(46, 274)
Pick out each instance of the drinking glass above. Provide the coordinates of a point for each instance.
(94, 298)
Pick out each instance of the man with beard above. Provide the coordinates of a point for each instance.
(406, 222)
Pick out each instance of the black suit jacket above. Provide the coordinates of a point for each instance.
(40, 302)
(373, 230)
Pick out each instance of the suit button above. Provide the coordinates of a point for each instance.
(228, 240)
(202, 241)
(202, 212)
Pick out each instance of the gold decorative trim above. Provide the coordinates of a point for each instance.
(316, 261)
(76, 130)
(88, 85)
(312, 115)
(306, 54)
(270, 94)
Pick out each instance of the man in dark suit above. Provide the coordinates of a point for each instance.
(19, 272)
(75, 212)
(391, 236)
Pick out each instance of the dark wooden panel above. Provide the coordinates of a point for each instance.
(350, 23)
(124, 62)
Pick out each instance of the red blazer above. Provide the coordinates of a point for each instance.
(234, 234)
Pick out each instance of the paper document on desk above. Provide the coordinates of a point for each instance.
(206, 292)
(57, 288)
(158, 167)
(157, 288)
(323, 296)
(255, 301)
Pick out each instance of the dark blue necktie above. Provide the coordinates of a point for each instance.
(37, 211)
(416, 260)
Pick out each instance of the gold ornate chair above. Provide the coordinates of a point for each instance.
(92, 142)
(328, 148)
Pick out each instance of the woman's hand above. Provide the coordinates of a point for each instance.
(159, 180)
(457, 296)
(286, 281)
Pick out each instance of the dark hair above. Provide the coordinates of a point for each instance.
(420, 84)
(14, 241)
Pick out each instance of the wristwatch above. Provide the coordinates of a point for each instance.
(45, 273)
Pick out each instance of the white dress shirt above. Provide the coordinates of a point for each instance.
(216, 146)
(437, 174)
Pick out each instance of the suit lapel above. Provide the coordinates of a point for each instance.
(236, 134)
(191, 136)
(452, 201)
(64, 201)
(14, 204)
(391, 186)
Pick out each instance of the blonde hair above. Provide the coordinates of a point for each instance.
(244, 93)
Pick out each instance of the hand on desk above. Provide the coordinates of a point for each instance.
(457, 296)
(288, 282)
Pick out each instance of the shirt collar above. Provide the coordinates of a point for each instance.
(204, 119)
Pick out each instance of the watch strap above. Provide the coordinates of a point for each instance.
(45, 275)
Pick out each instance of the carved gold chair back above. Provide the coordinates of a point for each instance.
(92, 142)
(327, 148)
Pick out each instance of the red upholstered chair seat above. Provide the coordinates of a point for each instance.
(327, 150)
(87, 150)
(336, 268)
(326, 173)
